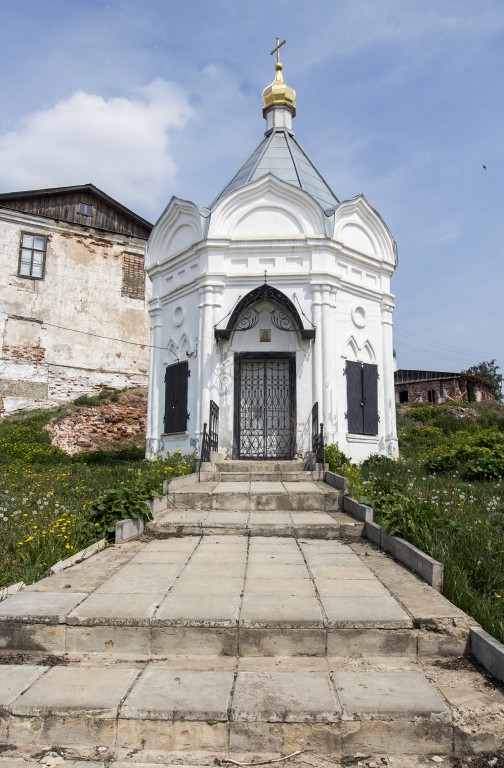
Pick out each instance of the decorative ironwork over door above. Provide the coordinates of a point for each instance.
(265, 406)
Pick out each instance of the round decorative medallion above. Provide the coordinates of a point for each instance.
(178, 316)
(359, 317)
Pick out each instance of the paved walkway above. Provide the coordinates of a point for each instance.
(222, 644)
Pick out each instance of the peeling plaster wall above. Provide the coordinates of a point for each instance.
(51, 329)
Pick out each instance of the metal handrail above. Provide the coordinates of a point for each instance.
(210, 436)
(317, 436)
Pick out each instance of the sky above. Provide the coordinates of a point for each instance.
(401, 100)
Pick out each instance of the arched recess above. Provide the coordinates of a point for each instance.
(268, 207)
(361, 352)
(358, 226)
(286, 317)
(173, 348)
(186, 345)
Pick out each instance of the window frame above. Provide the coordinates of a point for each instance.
(85, 209)
(33, 250)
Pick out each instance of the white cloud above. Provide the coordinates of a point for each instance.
(121, 145)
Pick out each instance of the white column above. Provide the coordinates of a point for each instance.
(328, 331)
(156, 382)
(388, 412)
(218, 290)
(205, 353)
(317, 347)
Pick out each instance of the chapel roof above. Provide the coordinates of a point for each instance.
(279, 153)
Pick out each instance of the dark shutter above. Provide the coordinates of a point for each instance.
(354, 397)
(370, 399)
(176, 390)
(362, 398)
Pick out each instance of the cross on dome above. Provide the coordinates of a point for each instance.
(277, 48)
(279, 94)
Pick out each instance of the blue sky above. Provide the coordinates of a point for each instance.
(399, 99)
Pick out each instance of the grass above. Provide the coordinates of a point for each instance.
(46, 495)
(457, 520)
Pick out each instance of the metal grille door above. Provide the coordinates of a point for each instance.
(266, 408)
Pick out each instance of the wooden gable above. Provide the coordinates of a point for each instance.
(86, 205)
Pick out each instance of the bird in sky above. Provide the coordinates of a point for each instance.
(484, 167)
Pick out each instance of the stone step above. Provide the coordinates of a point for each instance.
(242, 707)
(233, 596)
(263, 476)
(239, 465)
(282, 524)
(255, 495)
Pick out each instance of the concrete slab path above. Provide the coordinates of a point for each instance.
(250, 620)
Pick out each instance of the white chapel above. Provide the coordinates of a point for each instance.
(272, 308)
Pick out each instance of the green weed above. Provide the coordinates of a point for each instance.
(46, 496)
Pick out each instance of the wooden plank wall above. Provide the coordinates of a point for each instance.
(65, 207)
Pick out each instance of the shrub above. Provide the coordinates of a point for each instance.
(123, 503)
(378, 463)
(478, 457)
(424, 435)
(422, 411)
(130, 453)
(25, 442)
(335, 458)
(104, 394)
(441, 461)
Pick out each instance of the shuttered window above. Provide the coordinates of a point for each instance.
(362, 398)
(176, 392)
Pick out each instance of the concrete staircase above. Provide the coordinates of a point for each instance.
(251, 621)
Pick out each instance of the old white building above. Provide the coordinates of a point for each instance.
(73, 314)
(273, 303)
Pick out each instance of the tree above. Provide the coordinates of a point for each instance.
(489, 371)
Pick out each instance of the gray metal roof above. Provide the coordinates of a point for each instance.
(280, 154)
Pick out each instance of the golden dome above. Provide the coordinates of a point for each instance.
(279, 94)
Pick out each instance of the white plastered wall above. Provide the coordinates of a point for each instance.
(337, 271)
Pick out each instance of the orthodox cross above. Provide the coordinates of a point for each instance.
(277, 48)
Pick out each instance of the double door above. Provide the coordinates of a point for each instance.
(265, 406)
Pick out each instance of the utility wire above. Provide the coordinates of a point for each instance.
(86, 333)
(441, 344)
(452, 350)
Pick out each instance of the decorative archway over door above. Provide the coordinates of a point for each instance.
(284, 317)
(265, 406)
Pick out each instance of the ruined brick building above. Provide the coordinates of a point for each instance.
(73, 305)
(440, 387)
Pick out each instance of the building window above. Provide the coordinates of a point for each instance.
(133, 276)
(431, 395)
(176, 397)
(85, 209)
(403, 396)
(32, 256)
(362, 398)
